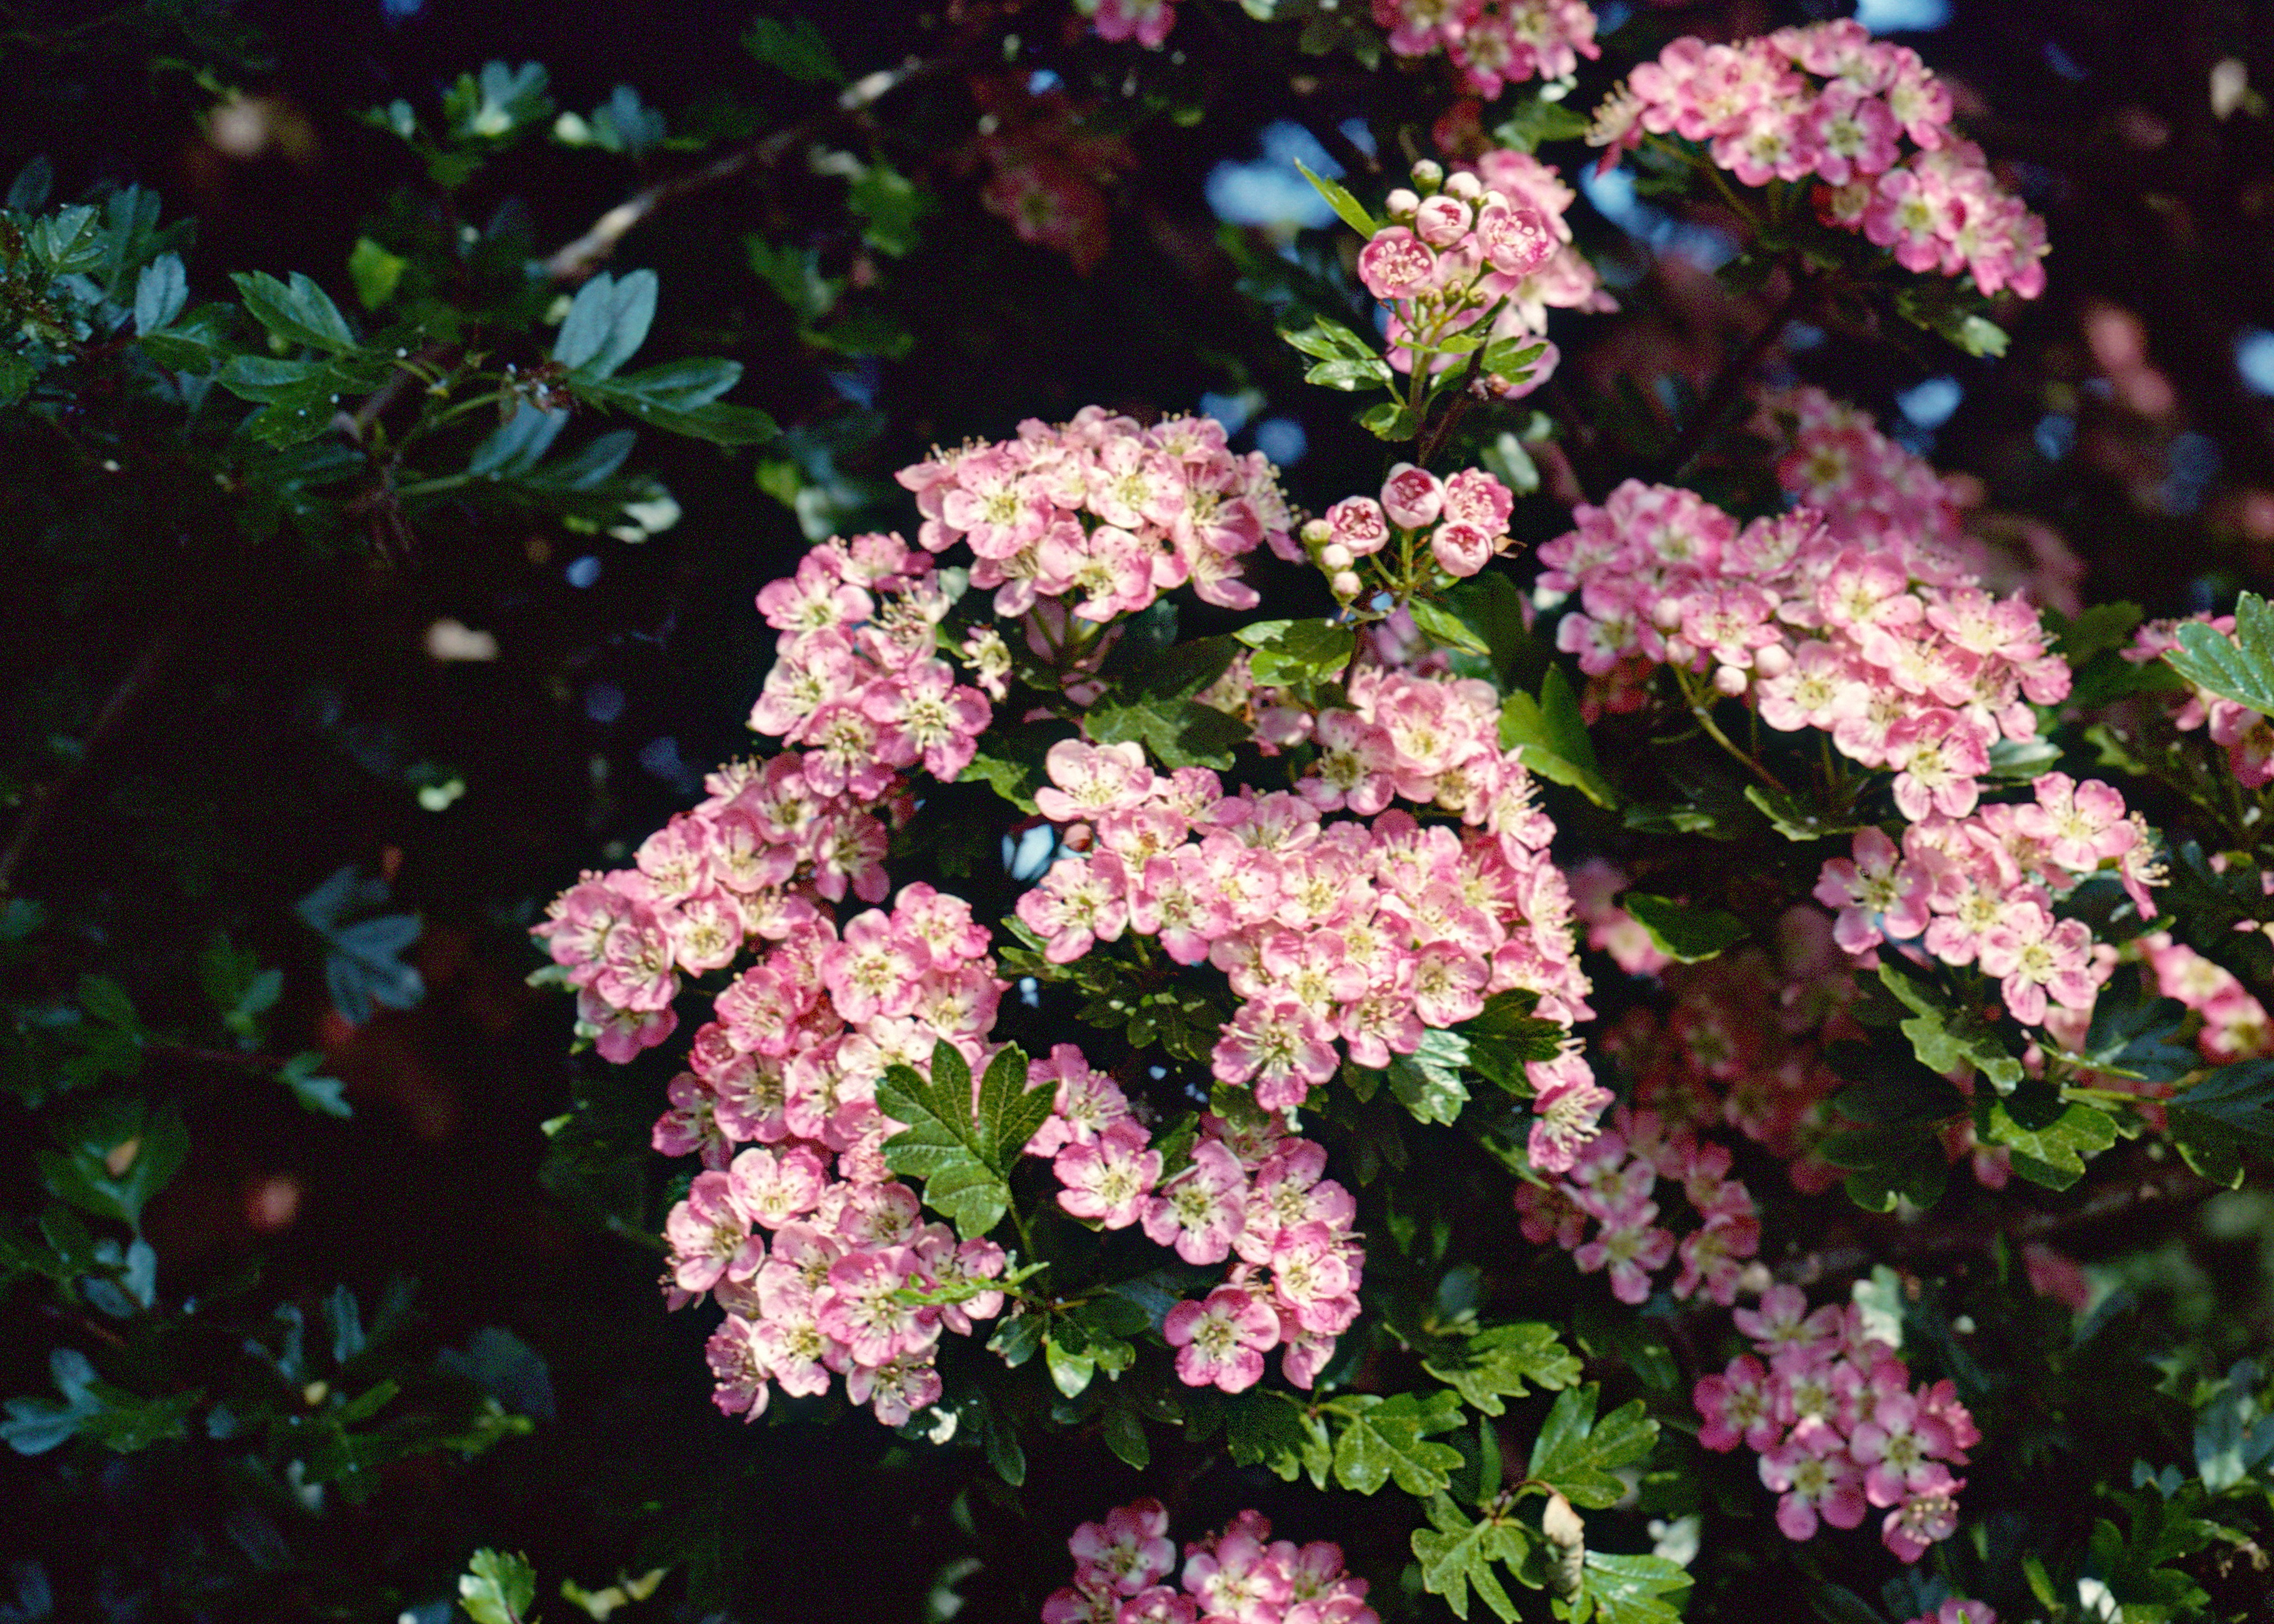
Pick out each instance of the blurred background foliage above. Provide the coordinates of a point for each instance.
(304, 724)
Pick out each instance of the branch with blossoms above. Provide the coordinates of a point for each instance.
(1334, 940)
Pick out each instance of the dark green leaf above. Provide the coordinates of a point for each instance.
(1443, 628)
(1387, 1440)
(1946, 1038)
(1391, 420)
(1629, 1590)
(1495, 1363)
(607, 323)
(1552, 738)
(1686, 934)
(2240, 667)
(1457, 1554)
(961, 1148)
(1288, 653)
(1338, 198)
(160, 292)
(1271, 1429)
(299, 313)
(1794, 820)
(796, 47)
(1428, 1080)
(2050, 1140)
(1576, 1455)
(1179, 732)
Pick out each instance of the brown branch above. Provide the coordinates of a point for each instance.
(574, 260)
(2172, 1186)
(132, 688)
(1729, 387)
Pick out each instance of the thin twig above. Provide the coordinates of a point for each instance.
(1729, 387)
(133, 688)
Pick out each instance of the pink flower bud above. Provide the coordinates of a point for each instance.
(1400, 204)
(1442, 221)
(1357, 523)
(1396, 264)
(1463, 185)
(1334, 556)
(1413, 496)
(1665, 614)
(1344, 586)
(1463, 549)
(1729, 679)
(1517, 241)
(1773, 661)
(1427, 173)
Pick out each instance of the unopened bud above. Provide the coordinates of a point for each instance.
(1427, 174)
(1729, 679)
(1334, 557)
(1773, 661)
(1077, 837)
(1402, 203)
(1665, 614)
(1567, 1538)
(1678, 651)
(1345, 585)
(1317, 533)
(1463, 185)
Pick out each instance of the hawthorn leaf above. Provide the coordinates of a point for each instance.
(1457, 1554)
(1552, 738)
(2050, 1139)
(498, 1588)
(1339, 199)
(1273, 1430)
(298, 311)
(1944, 1039)
(1575, 1454)
(1627, 1590)
(1496, 1364)
(1387, 1440)
(1428, 1080)
(1685, 935)
(2240, 667)
(962, 1148)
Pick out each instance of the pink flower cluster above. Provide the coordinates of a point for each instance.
(1494, 43)
(1238, 1576)
(1249, 1189)
(2246, 736)
(1889, 647)
(1611, 1186)
(1838, 1425)
(856, 681)
(1365, 933)
(1869, 490)
(791, 1063)
(1146, 21)
(1103, 507)
(1980, 890)
(1488, 242)
(1464, 516)
(2235, 1025)
(1829, 103)
(744, 864)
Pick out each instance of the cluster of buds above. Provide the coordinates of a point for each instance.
(1464, 518)
(1481, 244)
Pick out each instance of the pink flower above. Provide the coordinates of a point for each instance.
(1737, 1408)
(1357, 524)
(1395, 264)
(2081, 824)
(1130, 1550)
(1283, 1048)
(2032, 955)
(1565, 1107)
(1938, 755)
(1087, 779)
(1816, 1478)
(1929, 1516)
(1413, 497)
(1312, 1273)
(1462, 550)
(858, 1306)
(1200, 1209)
(1874, 890)
(1221, 1339)
(1108, 1179)
(1516, 240)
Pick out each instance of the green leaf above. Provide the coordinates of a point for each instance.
(1443, 628)
(1495, 1363)
(2100, 627)
(1125, 1435)
(1946, 1038)
(1329, 341)
(1347, 375)
(375, 272)
(69, 240)
(1387, 1440)
(1512, 357)
(1391, 420)
(681, 397)
(1270, 1429)
(498, 1588)
(115, 1156)
(1628, 1590)
(1552, 738)
(1429, 1081)
(494, 107)
(2228, 1112)
(890, 204)
(1288, 653)
(325, 1096)
(1576, 1455)
(961, 1148)
(160, 292)
(2050, 1139)
(1794, 820)
(796, 47)
(1537, 120)
(1457, 1554)
(1339, 200)
(299, 313)
(607, 323)
(1179, 732)
(2240, 667)
(1686, 934)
